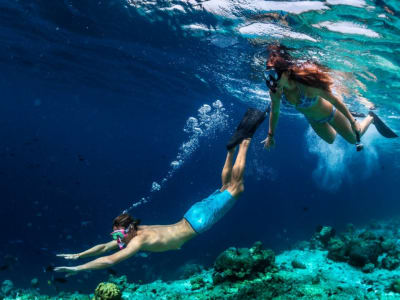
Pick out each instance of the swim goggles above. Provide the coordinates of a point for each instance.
(119, 235)
(271, 77)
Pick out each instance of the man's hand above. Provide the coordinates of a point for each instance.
(69, 256)
(269, 142)
(70, 270)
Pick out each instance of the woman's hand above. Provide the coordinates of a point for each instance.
(69, 256)
(356, 127)
(269, 142)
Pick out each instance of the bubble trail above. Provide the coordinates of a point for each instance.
(209, 121)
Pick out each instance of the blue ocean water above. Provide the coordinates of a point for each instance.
(108, 105)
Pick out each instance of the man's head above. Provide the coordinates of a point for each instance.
(124, 229)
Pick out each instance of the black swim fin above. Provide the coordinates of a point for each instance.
(247, 127)
(382, 128)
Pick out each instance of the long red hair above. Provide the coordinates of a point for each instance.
(308, 73)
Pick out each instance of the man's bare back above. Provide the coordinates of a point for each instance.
(158, 238)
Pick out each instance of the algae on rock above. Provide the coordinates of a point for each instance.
(107, 291)
(238, 264)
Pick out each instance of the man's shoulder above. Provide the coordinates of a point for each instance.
(145, 233)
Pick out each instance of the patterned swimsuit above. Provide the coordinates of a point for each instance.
(306, 102)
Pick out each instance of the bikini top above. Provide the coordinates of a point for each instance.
(304, 102)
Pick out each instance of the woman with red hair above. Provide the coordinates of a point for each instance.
(307, 86)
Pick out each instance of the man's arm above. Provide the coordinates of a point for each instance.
(99, 249)
(107, 261)
(94, 251)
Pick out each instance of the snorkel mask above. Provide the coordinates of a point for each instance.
(120, 234)
(271, 77)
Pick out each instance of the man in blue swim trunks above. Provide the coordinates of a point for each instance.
(130, 238)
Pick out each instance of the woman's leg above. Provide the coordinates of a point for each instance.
(342, 126)
(365, 124)
(324, 131)
(236, 184)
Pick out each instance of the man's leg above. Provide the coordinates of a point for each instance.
(204, 214)
(236, 186)
(227, 170)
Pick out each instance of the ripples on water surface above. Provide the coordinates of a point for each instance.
(213, 43)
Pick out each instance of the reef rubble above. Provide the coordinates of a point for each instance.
(355, 264)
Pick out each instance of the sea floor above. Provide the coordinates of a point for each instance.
(360, 263)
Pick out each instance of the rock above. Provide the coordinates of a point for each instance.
(197, 283)
(107, 291)
(35, 282)
(316, 279)
(326, 234)
(390, 263)
(368, 268)
(321, 237)
(388, 245)
(298, 265)
(121, 282)
(367, 235)
(337, 250)
(6, 287)
(363, 251)
(238, 264)
(395, 287)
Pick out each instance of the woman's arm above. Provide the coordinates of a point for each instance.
(339, 104)
(273, 119)
(274, 115)
(94, 251)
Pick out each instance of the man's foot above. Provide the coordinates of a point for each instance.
(247, 127)
(382, 128)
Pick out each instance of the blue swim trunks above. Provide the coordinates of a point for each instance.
(204, 214)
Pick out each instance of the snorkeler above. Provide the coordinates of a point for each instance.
(130, 237)
(307, 86)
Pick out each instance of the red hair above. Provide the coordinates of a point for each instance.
(308, 73)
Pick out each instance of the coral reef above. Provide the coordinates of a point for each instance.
(238, 264)
(356, 264)
(107, 291)
(366, 249)
(6, 287)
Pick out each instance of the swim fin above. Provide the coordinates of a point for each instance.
(247, 127)
(382, 128)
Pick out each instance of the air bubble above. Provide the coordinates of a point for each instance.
(209, 120)
(155, 187)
